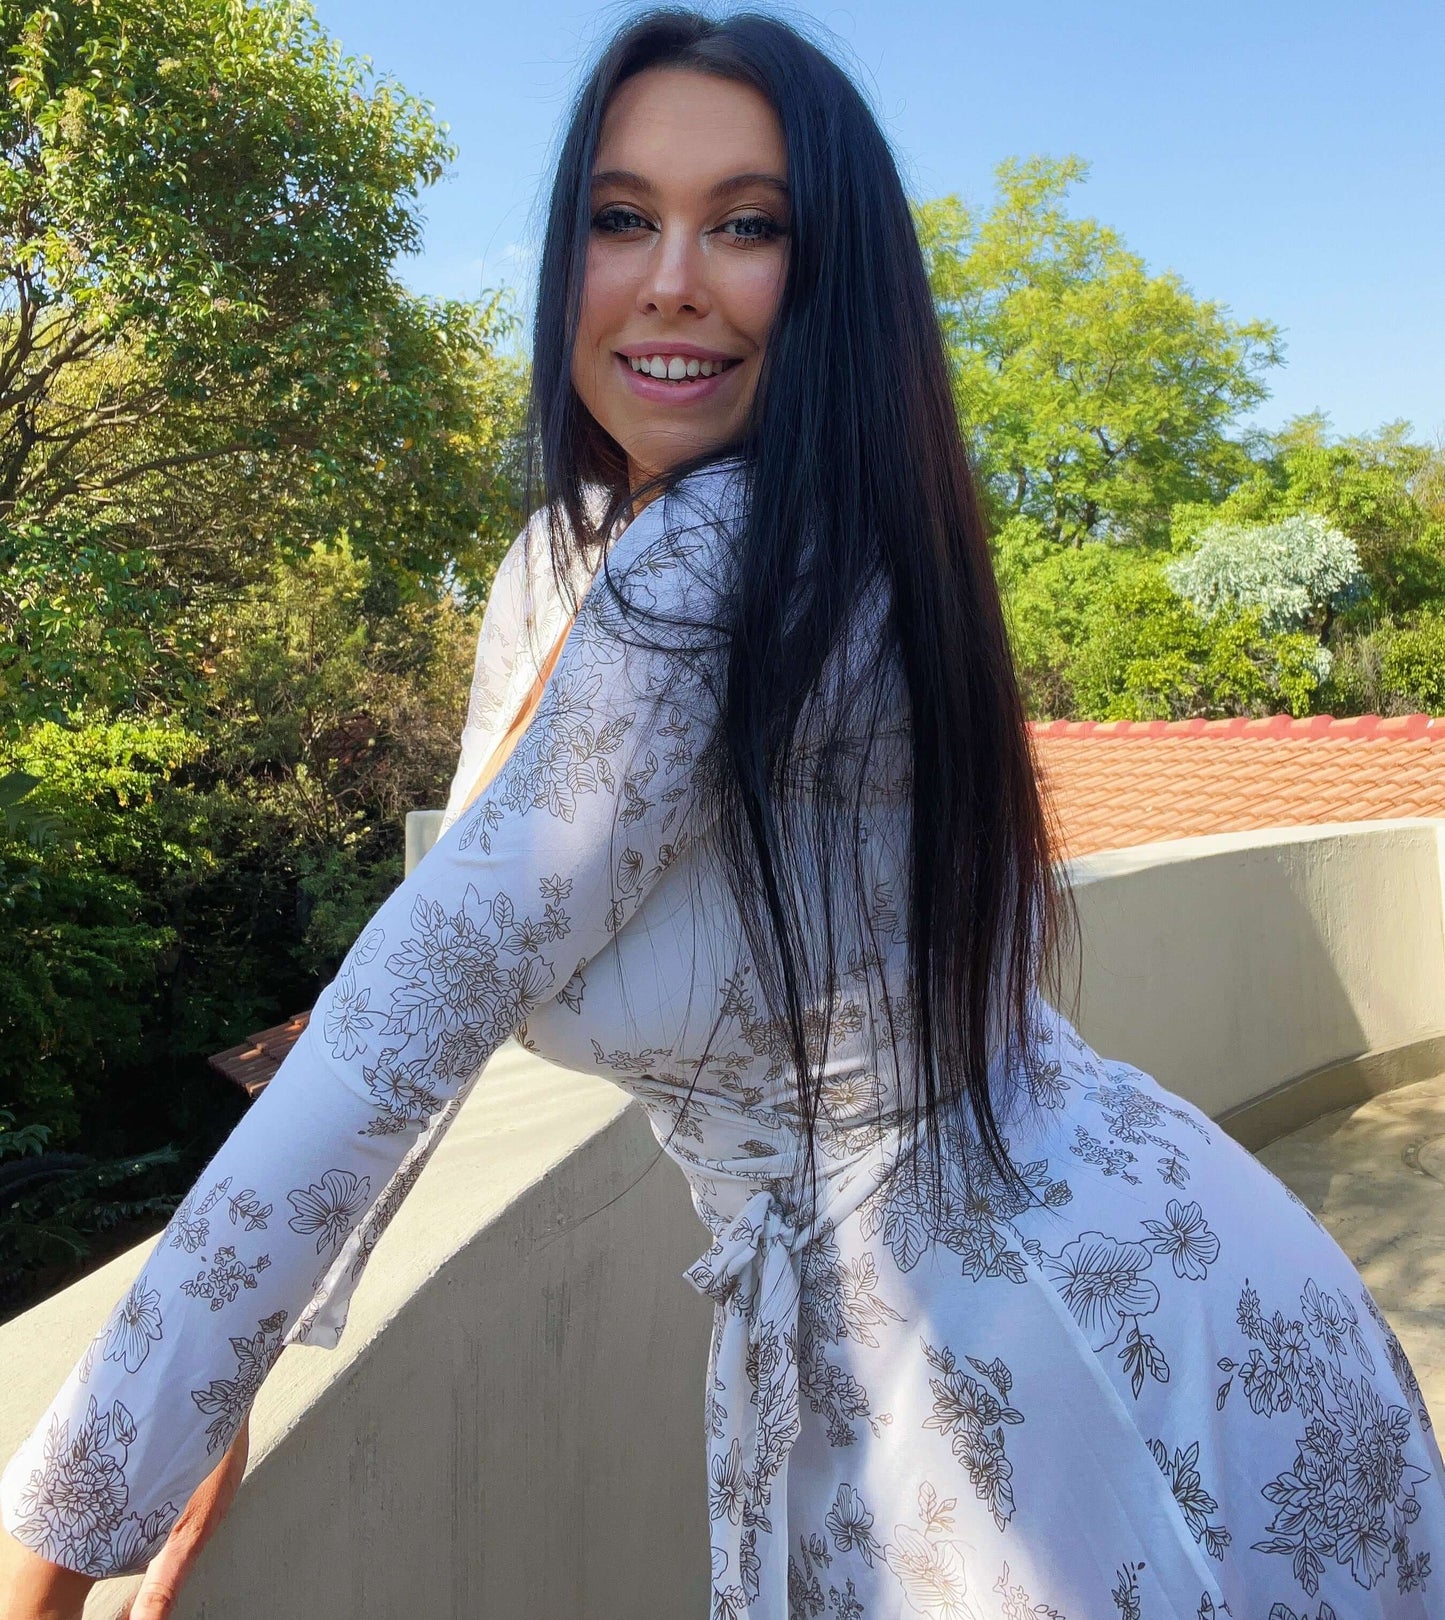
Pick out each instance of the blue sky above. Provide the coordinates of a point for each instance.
(1284, 159)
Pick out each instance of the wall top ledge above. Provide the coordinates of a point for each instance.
(1084, 869)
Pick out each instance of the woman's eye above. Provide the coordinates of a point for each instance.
(612, 220)
(750, 227)
(756, 228)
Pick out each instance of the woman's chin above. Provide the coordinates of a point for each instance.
(658, 454)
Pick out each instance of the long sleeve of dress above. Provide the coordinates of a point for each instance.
(597, 799)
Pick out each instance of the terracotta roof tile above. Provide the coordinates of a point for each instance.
(257, 1058)
(1124, 782)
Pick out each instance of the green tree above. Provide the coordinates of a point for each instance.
(1297, 570)
(1099, 634)
(1391, 668)
(250, 489)
(1413, 665)
(1147, 655)
(205, 357)
(168, 884)
(1096, 395)
(84, 932)
(335, 696)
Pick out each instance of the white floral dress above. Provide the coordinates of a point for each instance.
(1151, 1389)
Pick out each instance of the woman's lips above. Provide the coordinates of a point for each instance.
(682, 392)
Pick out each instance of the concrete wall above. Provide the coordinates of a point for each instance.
(512, 1423)
(1232, 964)
(423, 828)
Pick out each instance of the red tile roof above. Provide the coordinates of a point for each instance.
(1125, 782)
(257, 1058)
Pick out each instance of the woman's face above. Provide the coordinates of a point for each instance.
(686, 259)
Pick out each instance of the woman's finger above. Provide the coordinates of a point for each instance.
(168, 1571)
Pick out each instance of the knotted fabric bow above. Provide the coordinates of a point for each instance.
(751, 1273)
(754, 1273)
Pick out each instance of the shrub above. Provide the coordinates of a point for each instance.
(1295, 572)
(54, 1205)
(1145, 654)
(85, 934)
(1413, 664)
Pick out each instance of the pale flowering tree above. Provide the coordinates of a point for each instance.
(1296, 571)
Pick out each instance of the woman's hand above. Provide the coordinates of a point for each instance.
(156, 1596)
(32, 1588)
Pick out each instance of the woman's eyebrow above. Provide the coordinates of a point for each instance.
(735, 182)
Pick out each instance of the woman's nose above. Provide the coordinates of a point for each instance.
(674, 276)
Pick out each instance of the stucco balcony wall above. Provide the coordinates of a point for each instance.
(511, 1426)
(1270, 976)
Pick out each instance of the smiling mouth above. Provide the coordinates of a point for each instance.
(677, 368)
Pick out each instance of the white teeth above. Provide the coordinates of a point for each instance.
(675, 368)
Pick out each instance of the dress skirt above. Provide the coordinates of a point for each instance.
(1149, 1386)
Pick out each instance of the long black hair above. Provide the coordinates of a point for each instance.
(852, 450)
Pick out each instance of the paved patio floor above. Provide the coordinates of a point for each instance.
(1375, 1176)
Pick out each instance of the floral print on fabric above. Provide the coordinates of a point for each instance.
(1350, 1497)
(594, 807)
(972, 1411)
(74, 1508)
(1138, 1380)
(134, 1326)
(1134, 1265)
(226, 1401)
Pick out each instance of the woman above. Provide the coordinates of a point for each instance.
(1002, 1328)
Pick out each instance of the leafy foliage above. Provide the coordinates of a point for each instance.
(1296, 571)
(1098, 633)
(1149, 656)
(1097, 396)
(54, 1205)
(1413, 665)
(81, 940)
(1101, 402)
(333, 705)
(1393, 668)
(205, 358)
(251, 489)
(1382, 489)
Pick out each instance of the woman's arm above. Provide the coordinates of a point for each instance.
(499, 645)
(595, 802)
(32, 1588)
(521, 583)
(519, 725)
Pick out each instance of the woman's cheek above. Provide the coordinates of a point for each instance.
(755, 296)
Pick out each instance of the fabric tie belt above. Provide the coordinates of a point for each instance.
(753, 1275)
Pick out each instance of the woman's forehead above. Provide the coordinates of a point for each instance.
(664, 120)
